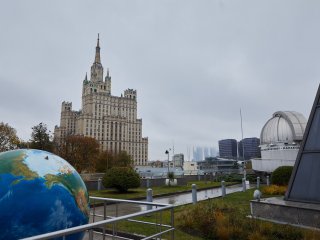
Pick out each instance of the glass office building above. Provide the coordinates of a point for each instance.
(228, 148)
(250, 147)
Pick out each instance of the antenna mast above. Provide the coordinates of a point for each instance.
(244, 163)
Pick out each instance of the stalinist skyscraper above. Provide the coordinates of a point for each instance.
(111, 120)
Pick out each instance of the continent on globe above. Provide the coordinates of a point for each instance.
(40, 193)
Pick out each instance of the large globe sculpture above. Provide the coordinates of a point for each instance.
(39, 193)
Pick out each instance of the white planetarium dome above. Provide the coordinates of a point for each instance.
(284, 126)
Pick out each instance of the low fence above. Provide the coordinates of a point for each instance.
(93, 185)
(157, 182)
(182, 180)
(101, 227)
(91, 176)
(144, 182)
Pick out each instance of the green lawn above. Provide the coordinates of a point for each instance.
(141, 192)
(164, 218)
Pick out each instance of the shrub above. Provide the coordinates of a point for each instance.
(237, 178)
(252, 178)
(121, 178)
(274, 190)
(200, 220)
(281, 175)
(210, 220)
(170, 175)
(230, 178)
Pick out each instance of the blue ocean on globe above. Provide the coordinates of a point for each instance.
(39, 193)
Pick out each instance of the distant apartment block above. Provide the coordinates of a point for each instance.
(178, 160)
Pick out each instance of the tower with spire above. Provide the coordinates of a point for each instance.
(111, 120)
(96, 68)
(96, 83)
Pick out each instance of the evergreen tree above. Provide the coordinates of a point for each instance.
(41, 138)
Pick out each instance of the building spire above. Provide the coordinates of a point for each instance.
(86, 78)
(96, 68)
(97, 57)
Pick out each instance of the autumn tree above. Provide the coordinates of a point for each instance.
(107, 160)
(81, 152)
(23, 144)
(8, 137)
(123, 159)
(41, 138)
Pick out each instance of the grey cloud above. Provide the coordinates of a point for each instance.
(194, 63)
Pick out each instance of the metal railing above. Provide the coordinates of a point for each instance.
(100, 226)
(200, 172)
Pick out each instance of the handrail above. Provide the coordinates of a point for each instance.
(90, 226)
(129, 201)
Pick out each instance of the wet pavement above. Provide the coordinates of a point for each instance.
(185, 198)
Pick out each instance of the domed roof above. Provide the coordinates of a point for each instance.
(284, 126)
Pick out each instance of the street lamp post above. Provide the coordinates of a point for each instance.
(244, 161)
(167, 152)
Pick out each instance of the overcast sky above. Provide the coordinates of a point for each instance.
(194, 63)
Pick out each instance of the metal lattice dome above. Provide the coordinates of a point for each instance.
(284, 126)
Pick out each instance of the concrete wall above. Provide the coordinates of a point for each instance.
(91, 176)
(269, 165)
(93, 185)
(160, 182)
(156, 182)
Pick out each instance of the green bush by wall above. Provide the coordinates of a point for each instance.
(281, 175)
(121, 178)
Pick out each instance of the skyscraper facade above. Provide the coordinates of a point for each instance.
(200, 153)
(228, 148)
(111, 120)
(251, 148)
(197, 154)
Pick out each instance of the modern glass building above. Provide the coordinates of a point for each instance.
(228, 148)
(251, 148)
